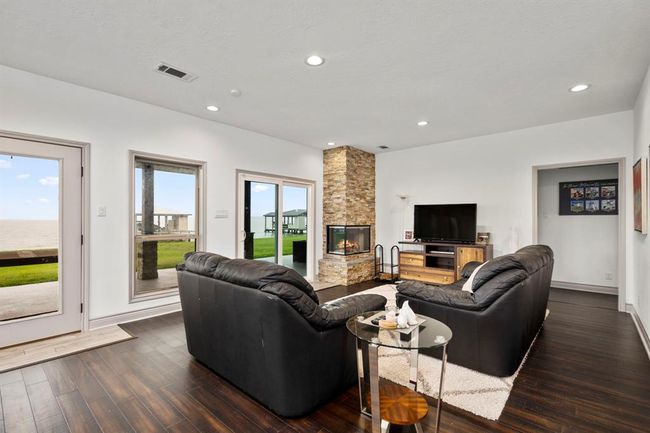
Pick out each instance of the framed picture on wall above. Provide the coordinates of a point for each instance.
(639, 189)
(591, 197)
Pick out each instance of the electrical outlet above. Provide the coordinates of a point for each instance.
(608, 276)
(101, 211)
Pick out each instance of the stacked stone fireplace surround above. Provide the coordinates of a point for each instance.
(348, 199)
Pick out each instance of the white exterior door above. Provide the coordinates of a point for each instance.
(40, 240)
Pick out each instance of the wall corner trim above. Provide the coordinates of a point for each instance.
(132, 316)
(643, 334)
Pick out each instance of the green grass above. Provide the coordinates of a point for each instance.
(28, 274)
(265, 247)
(169, 255)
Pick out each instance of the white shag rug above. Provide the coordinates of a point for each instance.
(470, 390)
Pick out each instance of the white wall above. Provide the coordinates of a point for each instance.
(114, 125)
(495, 171)
(585, 246)
(641, 244)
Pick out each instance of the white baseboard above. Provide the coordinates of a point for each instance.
(132, 316)
(585, 287)
(639, 327)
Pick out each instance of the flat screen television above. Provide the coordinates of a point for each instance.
(445, 223)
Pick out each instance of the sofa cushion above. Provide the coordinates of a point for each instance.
(326, 316)
(495, 267)
(497, 286)
(257, 274)
(450, 295)
(203, 263)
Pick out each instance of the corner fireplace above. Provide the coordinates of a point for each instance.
(346, 240)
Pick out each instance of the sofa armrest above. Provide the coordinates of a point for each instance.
(338, 312)
(444, 295)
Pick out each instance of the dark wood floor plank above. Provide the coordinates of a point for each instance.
(183, 427)
(254, 411)
(139, 417)
(195, 412)
(43, 401)
(83, 379)
(33, 374)
(10, 377)
(110, 381)
(18, 416)
(109, 417)
(144, 384)
(77, 414)
(587, 373)
(58, 377)
(55, 424)
(230, 416)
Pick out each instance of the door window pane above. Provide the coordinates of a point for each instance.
(29, 237)
(294, 241)
(166, 222)
(262, 225)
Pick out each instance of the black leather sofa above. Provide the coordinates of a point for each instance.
(494, 326)
(260, 326)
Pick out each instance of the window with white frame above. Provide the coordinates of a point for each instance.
(166, 221)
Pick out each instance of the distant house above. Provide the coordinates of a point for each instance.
(293, 221)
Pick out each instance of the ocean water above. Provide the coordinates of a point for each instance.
(257, 227)
(28, 234)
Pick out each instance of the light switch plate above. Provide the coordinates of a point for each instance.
(221, 213)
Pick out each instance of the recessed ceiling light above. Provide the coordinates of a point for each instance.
(331, 143)
(579, 87)
(314, 60)
(423, 123)
(212, 108)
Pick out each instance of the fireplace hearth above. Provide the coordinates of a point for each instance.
(346, 240)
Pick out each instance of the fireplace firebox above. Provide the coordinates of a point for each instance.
(346, 240)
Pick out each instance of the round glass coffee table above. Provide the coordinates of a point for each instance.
(429, 333)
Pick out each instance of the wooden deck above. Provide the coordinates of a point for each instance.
(28, 257)
(588, 372)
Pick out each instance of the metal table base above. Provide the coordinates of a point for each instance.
(368, 360)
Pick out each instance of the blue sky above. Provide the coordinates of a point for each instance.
(173, 192)
(263, 198)
(29, 188)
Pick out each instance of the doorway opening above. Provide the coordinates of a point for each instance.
(580, 213)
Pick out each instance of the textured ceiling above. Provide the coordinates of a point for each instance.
(469, 67)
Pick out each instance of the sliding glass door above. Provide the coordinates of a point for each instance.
(275, 221)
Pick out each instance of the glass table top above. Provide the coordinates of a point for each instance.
(430, 333)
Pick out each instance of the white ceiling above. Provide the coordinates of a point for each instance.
(470, 67)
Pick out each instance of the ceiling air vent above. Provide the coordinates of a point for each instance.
(172, 71)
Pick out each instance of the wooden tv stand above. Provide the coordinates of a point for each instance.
(439, 263)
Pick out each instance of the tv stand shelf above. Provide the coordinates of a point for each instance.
(438, 262)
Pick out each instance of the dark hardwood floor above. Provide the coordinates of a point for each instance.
(587, 372)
